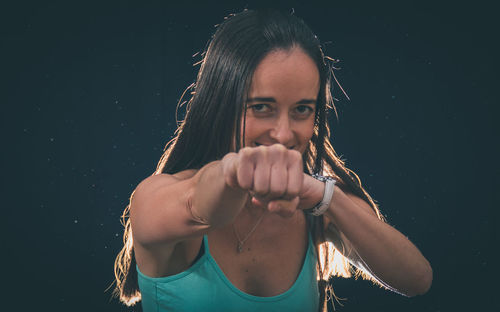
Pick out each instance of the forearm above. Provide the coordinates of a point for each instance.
(389, 255)
(213, 201)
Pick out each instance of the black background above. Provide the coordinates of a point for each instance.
(88, 98)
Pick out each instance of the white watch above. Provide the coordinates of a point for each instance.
(323, 205)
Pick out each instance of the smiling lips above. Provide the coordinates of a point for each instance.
(258, 144)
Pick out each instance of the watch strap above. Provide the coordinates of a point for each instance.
(323, 205)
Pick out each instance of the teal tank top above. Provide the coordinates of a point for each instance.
(204, 287)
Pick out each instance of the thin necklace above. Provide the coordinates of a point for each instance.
(241, 242)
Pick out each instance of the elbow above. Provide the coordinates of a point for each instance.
(426, 280)
(423, 282)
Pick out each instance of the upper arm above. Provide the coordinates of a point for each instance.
(159, 211)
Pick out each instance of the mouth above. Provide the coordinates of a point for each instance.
(258, 144)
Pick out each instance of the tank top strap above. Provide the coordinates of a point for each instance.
(205, 244)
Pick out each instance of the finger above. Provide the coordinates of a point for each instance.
(290, 208)
(245, 168)
(279, 175)
(274, 206)
(229, 170)
(257, 202)
(284, 208)
(278, 181)
(262, 173)
(295, 175)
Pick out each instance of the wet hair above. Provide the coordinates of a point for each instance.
(215, 112)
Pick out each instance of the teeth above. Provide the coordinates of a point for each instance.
(258, 144)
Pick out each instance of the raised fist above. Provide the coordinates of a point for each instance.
(272, 174)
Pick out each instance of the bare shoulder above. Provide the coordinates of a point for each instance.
(153, 182)
(158, 207)
(158, 220)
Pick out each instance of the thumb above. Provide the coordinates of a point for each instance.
(284, 208)
(259, 203)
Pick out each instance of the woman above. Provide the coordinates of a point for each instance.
(250, 207)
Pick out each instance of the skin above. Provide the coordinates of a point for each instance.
(281, 100)
(280, 112)
(270, 169)
(284, 85)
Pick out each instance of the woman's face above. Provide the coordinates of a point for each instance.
(281, 102)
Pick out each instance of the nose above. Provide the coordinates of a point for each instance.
(282, 132)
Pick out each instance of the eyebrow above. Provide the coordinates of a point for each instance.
(273, 100)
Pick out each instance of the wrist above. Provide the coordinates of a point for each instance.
(328, 186)
(319, 190)
(312, 192)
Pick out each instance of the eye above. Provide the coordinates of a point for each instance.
(260, 108)
(304, 109)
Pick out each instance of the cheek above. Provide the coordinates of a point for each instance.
(251, 129)
(308, 131)
(241, 128)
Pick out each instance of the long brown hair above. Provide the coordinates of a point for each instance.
(217, 108)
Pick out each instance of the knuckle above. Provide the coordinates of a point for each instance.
(278, 147)
(245, 152)
(278, 152)
(230, 181)
(243, 183)
(260, 152)
(294, 155)
(263, 149)
(260, 189)
(277, 193)
(292, 192)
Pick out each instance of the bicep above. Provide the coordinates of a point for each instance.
(159, 211)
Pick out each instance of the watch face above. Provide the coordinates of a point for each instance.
(319, 177)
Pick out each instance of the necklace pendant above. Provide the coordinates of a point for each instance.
(240, 248)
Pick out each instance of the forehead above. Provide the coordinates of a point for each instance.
(286, 75)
